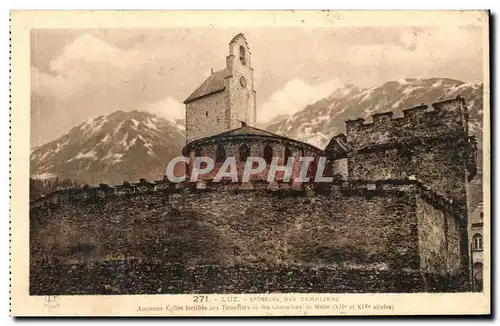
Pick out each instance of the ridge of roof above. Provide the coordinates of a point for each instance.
(339, 141)
(246, 130)
(213, 84)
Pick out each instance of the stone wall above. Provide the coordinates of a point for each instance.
(256, 146)
(133, 277)
(432, 238)
(448, 118)
(207, 116)
(432, 145)
(377, 165)
(356, 227)
(339, 168)
(439, 165)
(386, 226)
(442, 237)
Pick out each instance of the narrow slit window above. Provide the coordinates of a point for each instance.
(244, 152)
(220, 152)
(268, 154)
(242, 55)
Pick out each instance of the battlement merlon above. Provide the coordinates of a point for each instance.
(380, 117)
(335, 188)
(354, 124)
(415, 111)
(447, 119)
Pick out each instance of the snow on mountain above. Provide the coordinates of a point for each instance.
(276, 119)
(318, 122)
(126, 146)
(123, 146)
(181, 124)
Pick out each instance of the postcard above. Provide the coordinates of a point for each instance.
(250, 163)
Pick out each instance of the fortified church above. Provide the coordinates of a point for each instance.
(426, 151)
(221, 112)
(394, 218)
(220, 115)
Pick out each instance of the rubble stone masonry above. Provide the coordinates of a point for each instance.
(393, 226)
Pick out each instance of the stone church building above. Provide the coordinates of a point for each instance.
(220, 114)
(226, 97)
(398, 211)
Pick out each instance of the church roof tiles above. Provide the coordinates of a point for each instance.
(247, 131)
(213, 84)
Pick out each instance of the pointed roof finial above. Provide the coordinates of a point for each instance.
(243, 123)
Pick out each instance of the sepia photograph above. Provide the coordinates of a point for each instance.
(260, 168)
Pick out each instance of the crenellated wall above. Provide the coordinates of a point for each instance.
(403, 207)
(431, 145)
(389, 224)
(448, 118)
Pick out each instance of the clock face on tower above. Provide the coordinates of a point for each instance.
(243, 81)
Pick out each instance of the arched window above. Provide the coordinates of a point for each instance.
(268, 153)
(313, 166)
(198, 154)
(288, 154)
(244, 152)
(220, 154)
(477, 242)
(242, 55)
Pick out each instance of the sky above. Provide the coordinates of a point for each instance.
(77, 74)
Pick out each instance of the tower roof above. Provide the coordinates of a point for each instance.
(213, 84)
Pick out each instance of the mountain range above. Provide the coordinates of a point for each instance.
(123, 146)
(126, 146)
(317, 123)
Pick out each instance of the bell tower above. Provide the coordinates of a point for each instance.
(225, 98)
(242, 106)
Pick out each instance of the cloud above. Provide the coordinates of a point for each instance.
(88, 49)
(81, 74)
(90, 77)
(168, 108)
(294, 96)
